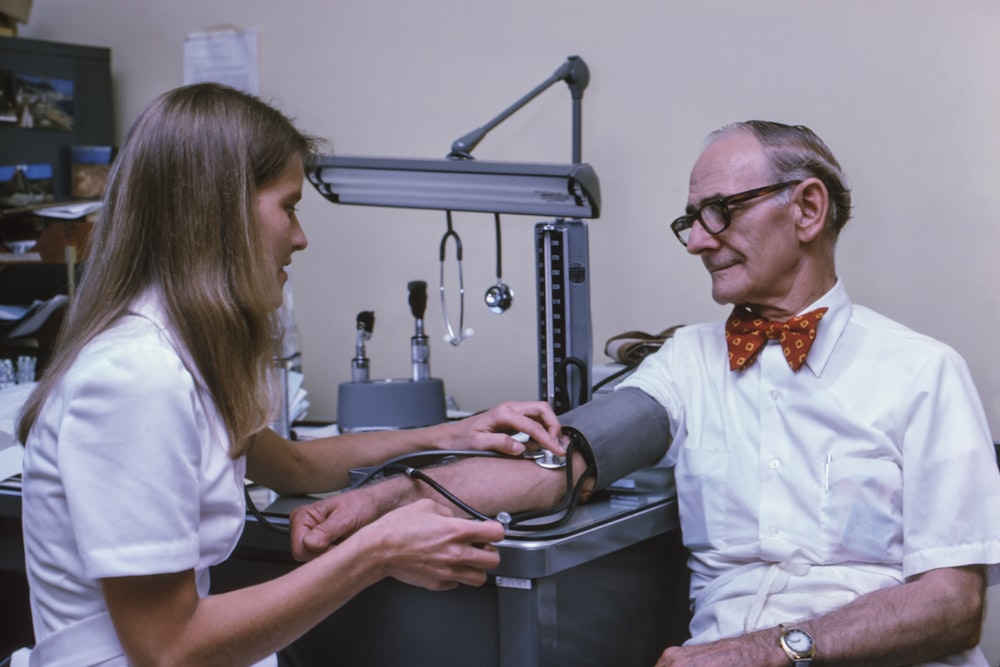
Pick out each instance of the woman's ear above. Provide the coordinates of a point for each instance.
(813, 201)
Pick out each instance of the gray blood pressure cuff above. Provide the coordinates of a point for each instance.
(623, 431)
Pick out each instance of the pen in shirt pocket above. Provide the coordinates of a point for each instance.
(826, 473)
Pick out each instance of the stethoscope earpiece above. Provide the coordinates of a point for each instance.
(452, 339)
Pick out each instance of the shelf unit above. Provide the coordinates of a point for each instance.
(52, 266)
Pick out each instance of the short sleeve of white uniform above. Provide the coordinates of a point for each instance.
(129, 454)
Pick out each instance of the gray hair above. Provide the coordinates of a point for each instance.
(796, 153)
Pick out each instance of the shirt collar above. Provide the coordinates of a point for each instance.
(831, 327)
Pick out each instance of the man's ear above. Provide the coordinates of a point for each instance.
(813, 201)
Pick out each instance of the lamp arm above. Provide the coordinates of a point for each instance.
(574, 72)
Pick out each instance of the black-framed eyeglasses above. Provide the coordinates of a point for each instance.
(715, 215)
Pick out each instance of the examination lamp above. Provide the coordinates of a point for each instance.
(550, 190)
(461, 183)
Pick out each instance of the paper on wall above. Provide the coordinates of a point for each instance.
(223, 55)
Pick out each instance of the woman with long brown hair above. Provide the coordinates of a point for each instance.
(156, 404)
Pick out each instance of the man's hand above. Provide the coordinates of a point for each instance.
(319, 525)
(753, 650)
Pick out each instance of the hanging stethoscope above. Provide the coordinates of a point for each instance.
(453, 337)
(499, 297)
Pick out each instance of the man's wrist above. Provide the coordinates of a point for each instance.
(401, 489)
(797, 644)
(392, 492)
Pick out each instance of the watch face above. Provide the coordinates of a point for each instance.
(798, 641)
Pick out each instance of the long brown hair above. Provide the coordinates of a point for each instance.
(179, 217)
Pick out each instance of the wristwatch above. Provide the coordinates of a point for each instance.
(798, 645)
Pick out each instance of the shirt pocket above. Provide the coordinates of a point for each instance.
(703, 496)
(862, 509)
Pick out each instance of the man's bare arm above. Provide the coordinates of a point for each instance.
(938, 613)
(489, 485)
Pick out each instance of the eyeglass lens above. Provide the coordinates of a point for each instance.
(714, 218)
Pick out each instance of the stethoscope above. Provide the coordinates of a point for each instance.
(499, 296)
(453, 337)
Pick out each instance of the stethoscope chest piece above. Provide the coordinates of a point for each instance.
(499, 297)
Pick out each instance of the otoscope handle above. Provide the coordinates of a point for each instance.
(420, 351)
(365, 324)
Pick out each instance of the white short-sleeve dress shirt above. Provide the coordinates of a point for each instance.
(799, 492)
(126, 472)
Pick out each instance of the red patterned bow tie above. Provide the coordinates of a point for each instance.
(746, 334)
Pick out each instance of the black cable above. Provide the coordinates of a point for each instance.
(438, 455)
(496, 226)
(261, 519)
(414, 473)
(567, 498)
(561, 371)
(566, 507)
(614, 376)
(450, 233)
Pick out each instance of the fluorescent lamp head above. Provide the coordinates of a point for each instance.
(549, 190)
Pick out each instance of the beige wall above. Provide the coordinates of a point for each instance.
(905, 92)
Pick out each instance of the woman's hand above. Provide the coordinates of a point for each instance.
(424, 545)
(495, 428)
(160, 618)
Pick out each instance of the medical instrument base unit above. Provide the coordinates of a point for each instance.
(394, 403)
(390, 403)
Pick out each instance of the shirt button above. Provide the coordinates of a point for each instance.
(774, 394)
(774, 463)
(772, 531)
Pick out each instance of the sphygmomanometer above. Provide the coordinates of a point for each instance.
(616, 433)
